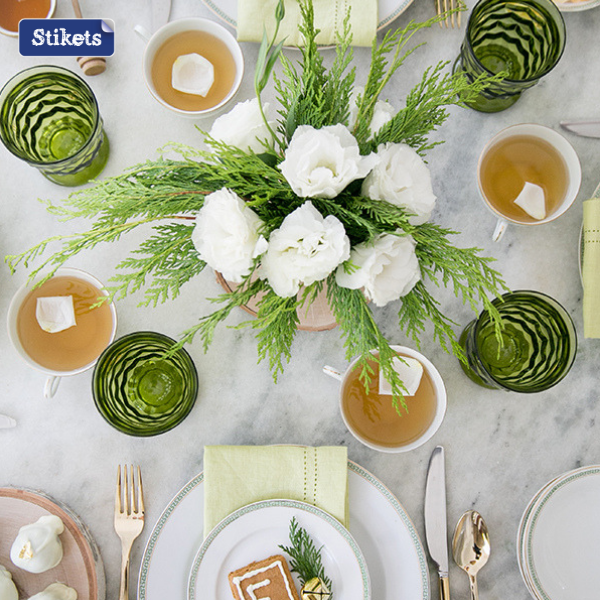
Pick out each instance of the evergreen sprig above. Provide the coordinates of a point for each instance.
(306, 559)
(164, 195)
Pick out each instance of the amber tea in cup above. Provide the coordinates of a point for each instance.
(206, 45)
(528, 174)
(13, 11)
(75, 348)
(192, 66)
(511, 163)
(72, 348)
(372, 417)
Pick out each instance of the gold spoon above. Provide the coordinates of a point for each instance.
(471, 546)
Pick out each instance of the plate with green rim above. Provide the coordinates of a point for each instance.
(381, 527)
(256, 532)
(389, 10)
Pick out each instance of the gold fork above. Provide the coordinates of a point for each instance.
(129, 518)
(442, 7)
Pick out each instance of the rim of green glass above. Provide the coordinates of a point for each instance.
(116, 345)
(552, 8)
(568, 321)
(25, 74)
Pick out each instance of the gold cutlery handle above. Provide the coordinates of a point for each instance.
(125, 554)
(444, 588)
(474, 591)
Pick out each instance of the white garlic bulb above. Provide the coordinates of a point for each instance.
(8, 590)
(37, 547)
(56, 591)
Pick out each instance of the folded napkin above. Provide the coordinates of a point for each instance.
(254, 16)
(591, 267)
(235, 476)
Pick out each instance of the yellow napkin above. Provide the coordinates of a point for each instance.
(253, 16)
(235, 476)
(591, 267)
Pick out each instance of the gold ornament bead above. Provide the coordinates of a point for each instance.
(315, 589)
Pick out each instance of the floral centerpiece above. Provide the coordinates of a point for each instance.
(332, 197)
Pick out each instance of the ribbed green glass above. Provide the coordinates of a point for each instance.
(49, 118)
(141, 391)
(523, 38)
(538, 345)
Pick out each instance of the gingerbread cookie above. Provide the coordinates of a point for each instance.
(271, 576)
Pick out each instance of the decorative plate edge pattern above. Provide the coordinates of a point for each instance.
(157, 529)
(303, 506)
(362, 472)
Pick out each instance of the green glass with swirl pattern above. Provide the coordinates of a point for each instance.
(49, 118)
(140, 388)
(537, 349)
(525, 39)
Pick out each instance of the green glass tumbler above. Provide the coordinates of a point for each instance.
(523, 38)
(537, 349)
(49, 118)
(141, 389)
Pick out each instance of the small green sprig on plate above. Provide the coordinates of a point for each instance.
(305, 557)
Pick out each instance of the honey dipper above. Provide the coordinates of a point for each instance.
(90, 65)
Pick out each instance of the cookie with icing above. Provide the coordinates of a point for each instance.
(271, 577)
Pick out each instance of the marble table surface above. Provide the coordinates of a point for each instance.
(500, 447)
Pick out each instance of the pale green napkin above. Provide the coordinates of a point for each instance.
(235, 476)
(591, 267)
(253, 16)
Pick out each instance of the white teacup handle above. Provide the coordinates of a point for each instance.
(143, 33)
(500, 230)
(332, 372)
(51, 386)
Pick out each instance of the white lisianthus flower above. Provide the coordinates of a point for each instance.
(387, 268)
(320, 163)
(306, 248)
(382, 112)
(244, 127)
(401, 178)
(227, 235)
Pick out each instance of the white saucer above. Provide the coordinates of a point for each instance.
(559, 538)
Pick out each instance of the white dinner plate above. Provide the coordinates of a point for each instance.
(388, 10)
(379, 524)
(560, 538)
(256, 531)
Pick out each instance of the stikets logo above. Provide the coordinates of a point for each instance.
(66, 37)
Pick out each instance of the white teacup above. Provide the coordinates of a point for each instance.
(564, 149)
(438, 412)
(28, 14)
(174, 28)
(53, 381)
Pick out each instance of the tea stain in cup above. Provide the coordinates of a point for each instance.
(514, 161)
(209, 47)
(373, 417)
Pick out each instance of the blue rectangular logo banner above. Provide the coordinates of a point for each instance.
(66, 37)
